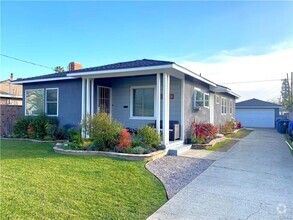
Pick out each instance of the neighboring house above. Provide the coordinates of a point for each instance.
(10, 94)
(257, 113)
(135, 93)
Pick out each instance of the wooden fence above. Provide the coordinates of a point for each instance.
(9, 115)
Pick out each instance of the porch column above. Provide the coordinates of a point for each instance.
(182, 108)
(83, 105)
(92, 96)
(158, 103)
(166, 108)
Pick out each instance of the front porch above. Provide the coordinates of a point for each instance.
(137, 100)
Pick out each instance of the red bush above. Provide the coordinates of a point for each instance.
(125, 140)
(203, 130)
(238, 125)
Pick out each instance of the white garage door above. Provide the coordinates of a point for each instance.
(256, 118)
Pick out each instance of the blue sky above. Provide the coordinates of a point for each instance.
(97, 33)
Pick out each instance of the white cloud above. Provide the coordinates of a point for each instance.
(229, 66)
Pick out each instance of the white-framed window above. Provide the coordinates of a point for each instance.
(200, 99)
(34, 101)
(142, 102)
(231, 107)
(52, 101)
(218, 99)
(223, 105)
(206, 100)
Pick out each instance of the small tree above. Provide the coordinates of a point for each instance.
(59, 69)
(286, 97)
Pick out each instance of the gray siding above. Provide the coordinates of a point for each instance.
(190, 115)
(220, 118)
(121, 98)
(69, 102)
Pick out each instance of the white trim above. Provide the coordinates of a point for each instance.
(230, 107)
(10, 96)
(88, 98)
(212, 108)
(121, 70)
(131, 102)
(166, 109)
(43, 80)
(98, 95)
(83, 105)
(190, 73)
(92, 96)
(218, 101)
(25, 93)
(182, 109)
(223, 113)
(46, 102)
(158, 103)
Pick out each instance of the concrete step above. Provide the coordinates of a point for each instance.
(177, 150)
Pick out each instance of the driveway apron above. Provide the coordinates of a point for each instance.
(253, 181)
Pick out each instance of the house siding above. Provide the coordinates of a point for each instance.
(121, 88)
(190, 114)
(220, 118)
(69, 101)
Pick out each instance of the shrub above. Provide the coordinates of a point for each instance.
(75, 136)
(20, 129)
(202, 132)
(238, 125)
(148, 137)
(104, 131)
(124, 141)
(228, 127)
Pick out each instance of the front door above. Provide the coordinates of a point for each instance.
(104, 99)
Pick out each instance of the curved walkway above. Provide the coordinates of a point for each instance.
(253, 181)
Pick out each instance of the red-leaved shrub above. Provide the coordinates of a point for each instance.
(238, 125)
(124, 141)
(201, 132)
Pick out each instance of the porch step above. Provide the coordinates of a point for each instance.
(177, 150)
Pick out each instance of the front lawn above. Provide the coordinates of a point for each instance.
(37, 183)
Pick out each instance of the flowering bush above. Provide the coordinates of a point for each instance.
(229, 126)
(202, 132)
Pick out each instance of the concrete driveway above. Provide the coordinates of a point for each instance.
(253, 181)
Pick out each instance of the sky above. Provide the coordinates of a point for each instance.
(227, 42)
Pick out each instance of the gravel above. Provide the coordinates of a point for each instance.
(176, 172)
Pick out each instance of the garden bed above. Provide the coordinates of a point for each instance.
(147, 157)
(208, 145)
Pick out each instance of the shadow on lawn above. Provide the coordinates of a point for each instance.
(26, 149)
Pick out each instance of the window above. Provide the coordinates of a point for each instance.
(143, 101)
(218, 99)
(201, 99)
(52, 102)
(34, 101)
(231, 107)
(206, 100)
(223, 106)
(198, 99)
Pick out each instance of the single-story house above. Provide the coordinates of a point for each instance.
(10, 94)
(134, 93)
(257, 113)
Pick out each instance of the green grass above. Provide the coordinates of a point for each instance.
(37, 183)
(219, 145)
(240, 134)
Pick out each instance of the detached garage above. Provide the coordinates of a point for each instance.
(257, 113)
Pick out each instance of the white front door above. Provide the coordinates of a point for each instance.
(104, 102)
(212, 108)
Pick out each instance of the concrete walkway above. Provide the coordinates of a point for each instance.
(253, 181)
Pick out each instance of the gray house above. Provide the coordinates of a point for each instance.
(135, 93)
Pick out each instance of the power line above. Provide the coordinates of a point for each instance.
(256, 81)
(14, 58)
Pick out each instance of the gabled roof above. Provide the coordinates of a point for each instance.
(256, 103)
